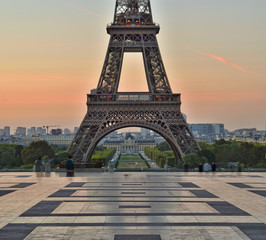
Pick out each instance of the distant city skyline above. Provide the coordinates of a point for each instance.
(52, 54)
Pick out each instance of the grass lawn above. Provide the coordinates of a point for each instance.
(131, 161)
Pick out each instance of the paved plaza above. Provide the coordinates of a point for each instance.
(133, 206)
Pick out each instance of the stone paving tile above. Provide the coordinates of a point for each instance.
(59, 220)
(5, 192)
(138, 237)
(240, 185)
(181, 206)
(29, 220)
(22, 185)
(259, 192)
(16, 231)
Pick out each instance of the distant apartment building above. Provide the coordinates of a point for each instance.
(21, 132)
(130, 143)
(31, 131)
(76, 129)
(67, 131)
(34, 131)
(159, 139)
(41, 131)
(7, 131)
(245, 132)
(208, 132)
(57, 132)
(63, 140)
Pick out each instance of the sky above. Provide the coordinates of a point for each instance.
(52, 53)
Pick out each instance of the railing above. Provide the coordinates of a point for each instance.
(133, 97)
(134, 25)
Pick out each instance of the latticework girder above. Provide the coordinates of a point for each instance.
(133, 12)
(133, 30)
(106, 117)
(131, 42)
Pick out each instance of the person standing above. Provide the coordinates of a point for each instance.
(70, 167)
(186, 167)
(200, 167)
(38, 165)
(111, 166)
(214, 167)
(206, 167)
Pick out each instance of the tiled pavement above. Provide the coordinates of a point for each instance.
(133, 206)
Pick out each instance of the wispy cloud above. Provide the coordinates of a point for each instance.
(90, 12)
(219, 59)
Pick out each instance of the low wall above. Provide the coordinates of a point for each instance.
(82, 170)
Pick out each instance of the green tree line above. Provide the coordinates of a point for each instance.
(102, 155)
(221, 152)
(162, 155)
(18, 156)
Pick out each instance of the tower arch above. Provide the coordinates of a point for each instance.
(153, 127)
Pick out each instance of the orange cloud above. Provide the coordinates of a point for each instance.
(223, 60)
(219, 59)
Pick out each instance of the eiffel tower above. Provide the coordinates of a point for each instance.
(133, 30)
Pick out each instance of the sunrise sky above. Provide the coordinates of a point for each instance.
(52, 52)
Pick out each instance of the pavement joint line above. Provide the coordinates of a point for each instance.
(134, 201)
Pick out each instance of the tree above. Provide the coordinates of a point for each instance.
(207, 154)
(18, 150)
(193, 160)
(221, 142)
(35, 150)
(252, 153)
(6, 158)
(164, 146)
(59, 157)
(58, 148)
(204, 145)
(171, 162)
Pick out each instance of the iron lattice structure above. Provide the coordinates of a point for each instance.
(133, 30)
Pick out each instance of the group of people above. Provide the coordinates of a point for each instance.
(70, 166)
(206, 167)
(40, 166)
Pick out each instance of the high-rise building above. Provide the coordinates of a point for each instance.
(67, 131)
(207, 129)
(21, 131)
(56, 132)
(40, 131)
(32, 131)
(6, 131)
